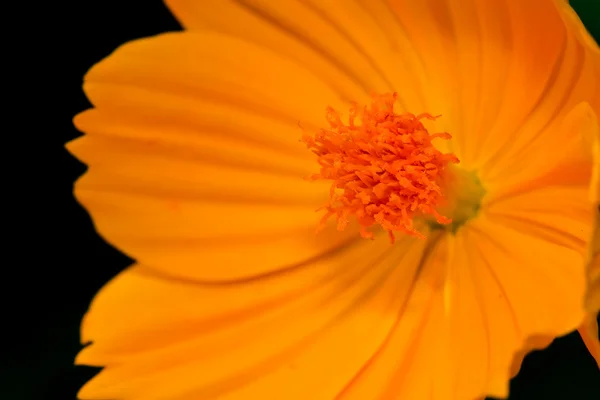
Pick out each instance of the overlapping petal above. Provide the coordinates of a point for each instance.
(163, 338)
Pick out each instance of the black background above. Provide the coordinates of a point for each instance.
(37, 361)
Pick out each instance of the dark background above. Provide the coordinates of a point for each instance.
(37, 363)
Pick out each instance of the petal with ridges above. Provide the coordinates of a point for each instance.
(556, 72)
(165, 332)
(593, 254)
(163, 152)
(570, 144)
(558, 214)
(524, 262)
(194, 65)
(402, 366)
(506, 70)
(589, 329)
(346, 43)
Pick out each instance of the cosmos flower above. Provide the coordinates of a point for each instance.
(446, 145)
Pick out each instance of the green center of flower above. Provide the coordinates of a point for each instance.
(464, 193)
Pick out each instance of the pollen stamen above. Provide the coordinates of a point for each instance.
(383, 168)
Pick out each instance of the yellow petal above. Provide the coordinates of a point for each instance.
(558, 214)
(357, 47)
(529, 289)
(407, 365)
(561, 72)
(569, 144)
(508, 70)
(593, 254)
(299, 334)
(194, 154)
(499, 72)
(476, 315)
(589, 328)
(551, 201)
(368, 322)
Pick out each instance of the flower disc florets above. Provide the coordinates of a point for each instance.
(383, 167)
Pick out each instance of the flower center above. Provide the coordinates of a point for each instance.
(463, 195)
(383, 169)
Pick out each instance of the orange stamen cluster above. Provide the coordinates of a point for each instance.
(383, 167)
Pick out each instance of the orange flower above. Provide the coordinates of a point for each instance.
(197, 153)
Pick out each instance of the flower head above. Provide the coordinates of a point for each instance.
(197, 172)
(385, 165)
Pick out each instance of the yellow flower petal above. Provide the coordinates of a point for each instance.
(176, 176)
(527, 293)
(407, 363)
(589, 328)
(357, 47)
(521, 259)
(527, 285)
(569, 143)
(558, 214)
(593, 256)
(261, 338)
(507, 69)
